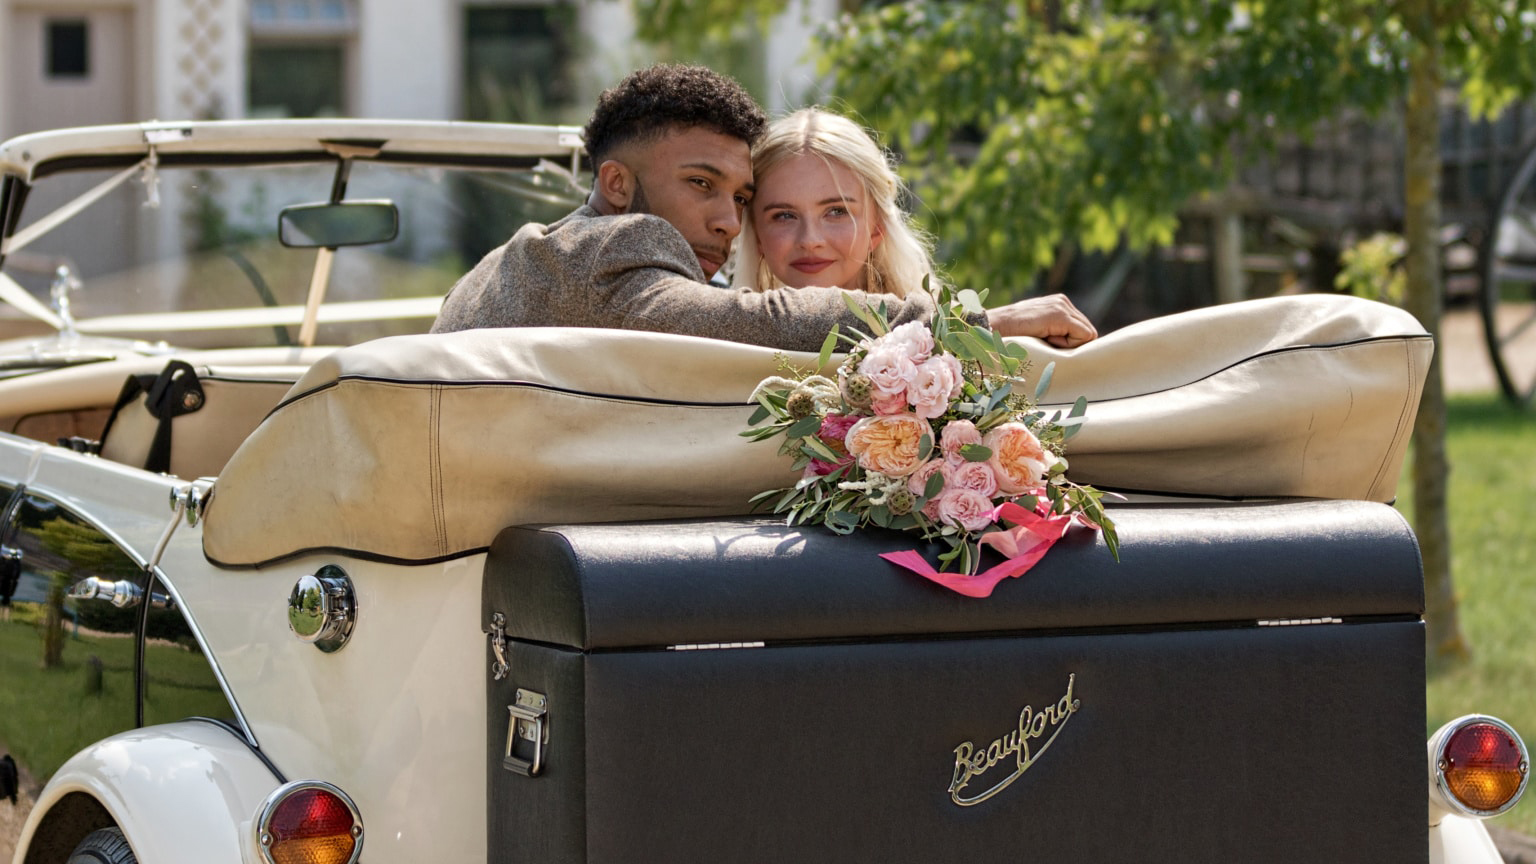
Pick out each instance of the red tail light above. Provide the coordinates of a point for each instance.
(309, 822)
(1479, 764)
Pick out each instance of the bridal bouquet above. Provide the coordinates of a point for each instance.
(925, 430)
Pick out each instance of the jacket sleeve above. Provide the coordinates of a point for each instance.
(645, 274)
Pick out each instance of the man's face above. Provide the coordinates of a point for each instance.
(700, 181)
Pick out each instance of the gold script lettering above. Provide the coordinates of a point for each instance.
(970, 762)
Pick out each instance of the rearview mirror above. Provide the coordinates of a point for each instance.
(349, 223)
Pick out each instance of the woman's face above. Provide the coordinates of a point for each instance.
(814, 224)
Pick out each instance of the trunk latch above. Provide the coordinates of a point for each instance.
(526, 723)
(498, 636)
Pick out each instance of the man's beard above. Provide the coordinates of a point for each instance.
(638, 203)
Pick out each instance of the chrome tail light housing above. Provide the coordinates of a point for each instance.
(1478, 767)
(309, 822)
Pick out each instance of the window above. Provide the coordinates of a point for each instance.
(299, 57)
(68, 50)
(517, 62)
(297, 80)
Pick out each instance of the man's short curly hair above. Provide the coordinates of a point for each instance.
(658, 99)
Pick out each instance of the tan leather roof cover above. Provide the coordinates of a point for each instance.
(417, 448)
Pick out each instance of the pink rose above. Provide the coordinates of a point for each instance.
(895, 403)
(818, 468)
(975, 476)
(834, 427)
(965, 509)
(915, 340)
(1018, 460)
(957, 434)
(888, 444)
(938, 380)
(889, 369)
(918, 481)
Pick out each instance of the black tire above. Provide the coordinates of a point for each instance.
(1507, 295)
(103, 846)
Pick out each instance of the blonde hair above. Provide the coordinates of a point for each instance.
(903, 257)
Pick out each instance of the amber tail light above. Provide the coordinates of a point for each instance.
(309, 822)
(1478, 767)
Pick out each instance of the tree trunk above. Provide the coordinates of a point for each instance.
(1431, 469)
(53, 624)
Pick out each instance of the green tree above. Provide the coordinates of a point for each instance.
(1030, 125)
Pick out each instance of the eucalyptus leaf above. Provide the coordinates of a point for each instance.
(934, 486)
(1045, 380)
(820, 449)
(861, 312)
(880, 515)
(842, 519)
(956, 345)
(827, 346)
(975, 453)
(804, 426)
(978, 350)
(970, 302)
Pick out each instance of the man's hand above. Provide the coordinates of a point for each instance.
(1052, 318)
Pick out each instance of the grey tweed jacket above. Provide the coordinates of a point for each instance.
(636, 272)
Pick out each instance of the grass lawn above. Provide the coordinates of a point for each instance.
(1492, 451)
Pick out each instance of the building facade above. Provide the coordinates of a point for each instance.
(86, 62)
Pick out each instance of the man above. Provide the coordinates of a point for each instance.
(671, 146)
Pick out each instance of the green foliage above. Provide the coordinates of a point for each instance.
(1373, 268)
(1028, 125)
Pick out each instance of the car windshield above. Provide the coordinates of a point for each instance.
(210, 242)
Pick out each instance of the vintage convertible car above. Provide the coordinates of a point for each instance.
(308, 581)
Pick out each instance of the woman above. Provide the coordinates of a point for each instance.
(825, 212)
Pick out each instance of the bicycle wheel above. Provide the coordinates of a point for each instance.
(1507, 295)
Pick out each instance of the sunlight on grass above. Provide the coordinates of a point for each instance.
(1492, 449)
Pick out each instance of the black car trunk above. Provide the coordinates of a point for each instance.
(1246, 684)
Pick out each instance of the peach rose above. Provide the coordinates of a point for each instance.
(888, 444)
(1018, 460)
(965, 509)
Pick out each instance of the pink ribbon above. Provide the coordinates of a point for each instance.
(1023, 546)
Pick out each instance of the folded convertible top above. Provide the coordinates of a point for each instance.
(420, 448)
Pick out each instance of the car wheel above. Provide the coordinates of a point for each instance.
(103, 846)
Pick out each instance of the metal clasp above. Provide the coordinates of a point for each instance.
(526, 722)
(499, 646)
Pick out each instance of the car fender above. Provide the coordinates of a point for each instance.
(1461, 840)
(182, 793)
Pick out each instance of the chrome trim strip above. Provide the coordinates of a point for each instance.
(213, 662)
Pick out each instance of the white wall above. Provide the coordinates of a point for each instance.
(408, 58)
